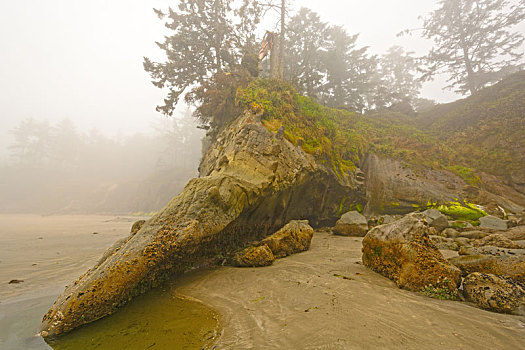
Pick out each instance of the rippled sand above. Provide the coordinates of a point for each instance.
(303, 302)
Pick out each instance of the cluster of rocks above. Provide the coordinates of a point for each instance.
(488, 269)
(295, 237)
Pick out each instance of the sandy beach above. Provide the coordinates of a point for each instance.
(326, 299)
(320, 299)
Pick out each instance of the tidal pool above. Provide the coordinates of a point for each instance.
(160, 319)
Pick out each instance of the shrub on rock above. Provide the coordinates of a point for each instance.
(403, 252)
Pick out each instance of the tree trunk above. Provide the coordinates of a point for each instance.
(274, 60)
(281, 41)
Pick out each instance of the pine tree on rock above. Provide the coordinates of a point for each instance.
(473, 42)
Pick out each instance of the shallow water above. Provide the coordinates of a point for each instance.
(49, 252)
(158, 320)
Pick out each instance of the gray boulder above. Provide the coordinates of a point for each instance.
(436, 219)
(495, 293)
(492, 222)
(450, 233)
(351, 224)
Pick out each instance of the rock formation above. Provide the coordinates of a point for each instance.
(403, 252)
(252, 183)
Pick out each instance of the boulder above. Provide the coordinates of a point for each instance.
(436, 219)
(386, 219)
(497, 240)
(450, 233)
(293, 238)
(463, 241)
(254, 257)
(495, 293)
(515, 233)
(492, 222)
(444, 243)
(351, 224)
(475, 234)
(404, 252)
(488, 250)
(508, 266)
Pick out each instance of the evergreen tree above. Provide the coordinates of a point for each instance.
(348, 71)
(396, 81)
(304, 59)
(473, 41)
(202, 45)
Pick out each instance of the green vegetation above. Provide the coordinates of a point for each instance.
(482, 133)
(441, 293)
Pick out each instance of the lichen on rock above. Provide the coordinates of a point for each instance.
(495, 293)
(404, 252)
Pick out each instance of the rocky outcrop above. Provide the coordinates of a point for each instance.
(351, 224)
(495, 293)
(252, 183)
(396, 187)
(403, 252)
(503, 265)
(254, 257)
(293, 238)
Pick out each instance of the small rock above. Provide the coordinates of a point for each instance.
(473, 234)
(450, 233)
(463, 241)
(254, 257)
(94, 233)
(15, 281)
(436, 219)
(495, 293)
(515, 233)
(488, 250)
(493, 223)
(497, 240)
(351, 224)
(444, 243)
(294, 237)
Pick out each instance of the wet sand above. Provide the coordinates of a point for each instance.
(49, 252)
(320, 299)
(326, 299)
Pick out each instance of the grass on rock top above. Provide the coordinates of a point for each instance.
(340, 138)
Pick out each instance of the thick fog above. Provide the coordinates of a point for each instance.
(78, 64)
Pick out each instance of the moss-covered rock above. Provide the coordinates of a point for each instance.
(294, 237)
(495, 293)
(404, 252)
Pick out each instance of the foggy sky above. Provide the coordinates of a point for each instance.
(82, 60)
